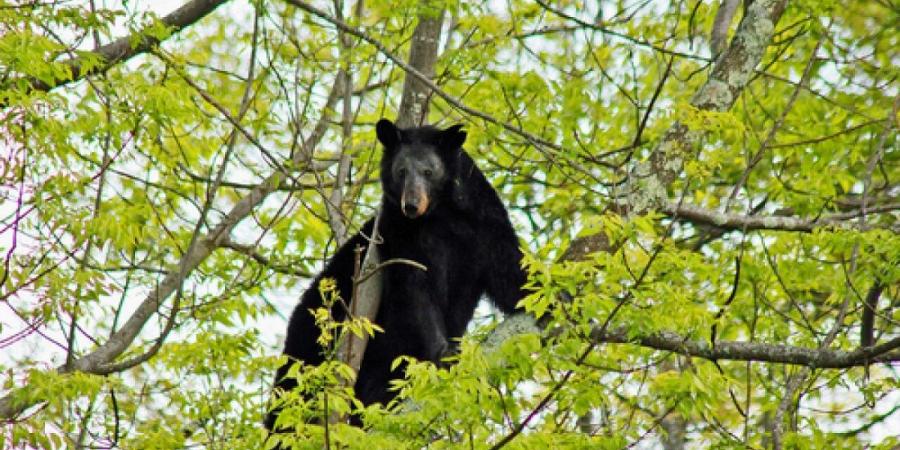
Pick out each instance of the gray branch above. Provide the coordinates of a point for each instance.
(731, 221)
(414, 102)
(730, 75)
(754, 351)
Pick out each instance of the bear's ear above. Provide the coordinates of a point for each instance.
(387, 133)
(452, 138)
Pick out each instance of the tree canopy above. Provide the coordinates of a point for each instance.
(706, 192)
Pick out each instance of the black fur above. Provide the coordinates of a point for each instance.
(462, 234)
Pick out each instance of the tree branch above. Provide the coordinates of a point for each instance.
(722, 22)
(753, 351)
(731, 221)
(414, 102)
(126, 47)
(730, 75)
(250, 251)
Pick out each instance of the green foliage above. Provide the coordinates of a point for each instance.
(106, 181)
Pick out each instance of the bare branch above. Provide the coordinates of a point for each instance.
(784, 223)
(821, 358)
(363, 276)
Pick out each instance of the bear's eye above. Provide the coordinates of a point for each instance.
(428, 172)
(401, 172)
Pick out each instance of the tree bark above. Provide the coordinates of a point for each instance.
(732, 72)
(820, 358)
(416, 96)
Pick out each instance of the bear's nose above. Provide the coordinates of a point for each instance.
(411, 209)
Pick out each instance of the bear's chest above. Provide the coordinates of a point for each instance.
(447, 250)
(431, 242)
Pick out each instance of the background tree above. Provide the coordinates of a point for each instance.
(707, 194)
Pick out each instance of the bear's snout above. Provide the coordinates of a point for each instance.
(415, 203)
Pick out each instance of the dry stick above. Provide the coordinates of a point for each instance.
(353, 347)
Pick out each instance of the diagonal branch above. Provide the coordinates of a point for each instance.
(126, 47)
(733, 70)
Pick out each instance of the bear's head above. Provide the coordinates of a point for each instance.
(419, 165)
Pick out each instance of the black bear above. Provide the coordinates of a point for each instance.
(439, 210)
